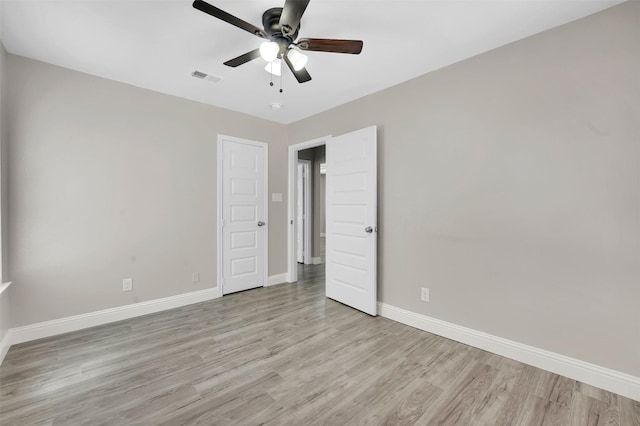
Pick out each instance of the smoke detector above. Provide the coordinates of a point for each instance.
(207, 77)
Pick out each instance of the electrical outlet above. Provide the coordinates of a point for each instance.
(195, 277)
(127, 284)
(424, 294)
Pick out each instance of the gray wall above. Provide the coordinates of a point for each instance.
(110, 181)
(508, 185)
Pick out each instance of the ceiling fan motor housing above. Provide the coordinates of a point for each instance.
(271, 24)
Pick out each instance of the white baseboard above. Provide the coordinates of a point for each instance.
(277, 279)
(316, 260)
(5, 345)
(595, 375)
(4, 286)
(77, 322)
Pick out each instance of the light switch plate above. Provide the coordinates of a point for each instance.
(276, 197)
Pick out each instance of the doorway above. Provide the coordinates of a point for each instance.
(312, 153)
(242, 214)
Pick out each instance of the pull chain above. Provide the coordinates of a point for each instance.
(271, 74)
(281, 80)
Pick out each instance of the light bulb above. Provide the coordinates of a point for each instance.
(298, 60)
(269, 50)
(274, 67)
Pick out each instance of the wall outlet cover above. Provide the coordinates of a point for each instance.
(424, 294)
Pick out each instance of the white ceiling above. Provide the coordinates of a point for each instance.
(156, 44)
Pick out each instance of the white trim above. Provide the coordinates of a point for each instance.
(292, 264)
(219, 162)
(78, 322)
(276, 279)
(5, 344)
(6, 339)
(316, 260)
(601, 377)
(4, 286)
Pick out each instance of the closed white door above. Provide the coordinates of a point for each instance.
(303, 212)
(351, 220)
(300, 213)
(244, 227)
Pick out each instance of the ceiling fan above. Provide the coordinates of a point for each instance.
(281, 27)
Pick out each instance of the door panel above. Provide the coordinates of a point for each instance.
(352, 209)
(243, 207)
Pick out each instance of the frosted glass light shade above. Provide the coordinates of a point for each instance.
(298, 60)
(274, 67)
(269, 50)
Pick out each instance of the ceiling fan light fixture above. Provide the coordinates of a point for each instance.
(269, 50)
(298, 60)
(274, 67)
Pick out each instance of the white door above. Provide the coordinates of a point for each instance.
(300, 213)
(303, 212)
(351, 220)
(244, 233)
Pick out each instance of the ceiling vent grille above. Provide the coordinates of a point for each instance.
(207, 77)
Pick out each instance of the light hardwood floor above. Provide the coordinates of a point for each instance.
(284, 355)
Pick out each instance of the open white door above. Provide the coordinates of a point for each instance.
(244, 233)
(351, 220)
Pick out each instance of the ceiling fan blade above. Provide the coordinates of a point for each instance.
(331, 45)
(243, 59)
(227, 17)
(302, 76)
(291, 14)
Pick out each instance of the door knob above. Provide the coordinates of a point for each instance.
(368, 229)
(261, 223)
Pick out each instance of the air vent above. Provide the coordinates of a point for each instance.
(208, 77)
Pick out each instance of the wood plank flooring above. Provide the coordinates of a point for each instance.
(284, 355)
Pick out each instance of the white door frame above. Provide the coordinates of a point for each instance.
(292, 264)
(308, 213)
(219, 162)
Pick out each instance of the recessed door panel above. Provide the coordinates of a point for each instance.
(244, 240)
(243, 266)
(247, 187)
(243, 213)
(350, 182)
(243, 160)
